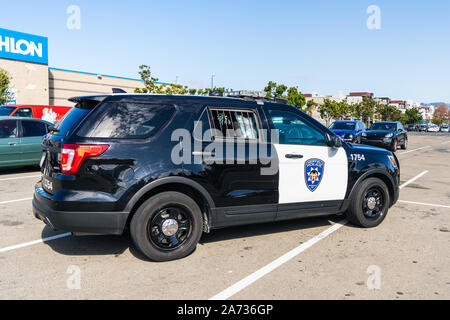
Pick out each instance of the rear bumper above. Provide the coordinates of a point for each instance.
(102, 223)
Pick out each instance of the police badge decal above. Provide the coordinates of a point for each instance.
(314, 170)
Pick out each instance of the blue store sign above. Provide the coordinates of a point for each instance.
(23, 47)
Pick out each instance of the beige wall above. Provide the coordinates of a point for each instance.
(66, 84)
(29, 80)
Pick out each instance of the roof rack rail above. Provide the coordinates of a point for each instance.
(254, 95)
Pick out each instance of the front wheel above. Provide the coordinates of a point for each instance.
(394, 146)
(168, 226)
(405, 145)
(370, 204)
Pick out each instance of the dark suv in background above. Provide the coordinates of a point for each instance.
(131, 161)
(389, 135)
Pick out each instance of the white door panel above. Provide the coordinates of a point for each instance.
(292, 183)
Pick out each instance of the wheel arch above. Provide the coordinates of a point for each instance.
(180, 184)
(383, 176)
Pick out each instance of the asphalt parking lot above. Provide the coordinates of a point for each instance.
(407, 257)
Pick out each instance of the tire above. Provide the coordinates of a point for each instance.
(154, 221)
(394, 146)
(405, 144)
(358, 212)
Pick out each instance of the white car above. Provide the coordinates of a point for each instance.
(444, 128)
(433, 128)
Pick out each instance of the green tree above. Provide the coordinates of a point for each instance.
(296, 98)
(5, 94)
(413, 116)
(328, 110)
(310, 106)
(150, 82)
(270, 89)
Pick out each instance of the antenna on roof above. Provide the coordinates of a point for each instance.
(118, 90)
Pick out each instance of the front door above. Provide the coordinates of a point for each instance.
(312, 174)
(31, 141)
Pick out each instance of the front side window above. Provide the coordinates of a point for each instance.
(33, 129)
(24, 113)
(127, 120)
(234, 124)
(8, 129)
(294, 130)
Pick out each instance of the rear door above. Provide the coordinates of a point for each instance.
(32, 133)
(9, 143)
(312, 174)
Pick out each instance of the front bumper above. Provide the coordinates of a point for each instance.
(102, 223)
(378, 143)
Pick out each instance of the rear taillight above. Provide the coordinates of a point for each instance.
(73, 155)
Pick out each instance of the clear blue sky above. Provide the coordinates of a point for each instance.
(321, 46)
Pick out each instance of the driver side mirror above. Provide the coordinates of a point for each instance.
(334, 141)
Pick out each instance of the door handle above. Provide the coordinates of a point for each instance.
(204, 154)
(12, 143)
(294, 156)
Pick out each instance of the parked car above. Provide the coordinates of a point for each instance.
(145, 162)
(50, 114)
(20, 141)
(388, 135)
(445, 128)
(349, 131)
(433, 128)
(413, 127)
(423, 127)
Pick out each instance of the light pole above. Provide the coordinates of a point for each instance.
(212, 81)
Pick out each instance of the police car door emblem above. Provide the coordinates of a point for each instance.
(314, 171)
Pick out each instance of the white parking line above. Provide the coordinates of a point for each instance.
(414, 150)
(235, 288)
(424, 204)
(32, 243)
(231, 291)
(18, 178)
(445, 142)
(414, 179)
(18, 200)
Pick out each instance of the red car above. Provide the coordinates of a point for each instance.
(50, 114)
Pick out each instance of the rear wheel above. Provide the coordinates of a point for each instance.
(370, 204)
(167, 226)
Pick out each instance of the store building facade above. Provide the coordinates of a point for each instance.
(25, 58)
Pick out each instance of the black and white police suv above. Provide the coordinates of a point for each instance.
(169, 168)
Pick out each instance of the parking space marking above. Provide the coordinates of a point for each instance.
(418, 149)
(18, 200)
(18, 178)
(424, 204)
(239, 286)
(445, 142)
(231, 291)
(414, 179)
(32, 243)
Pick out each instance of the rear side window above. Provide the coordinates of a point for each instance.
(234, 124)
(6, 111)
(33, 129)
(71, 120)
(127, 120)
(8, 129)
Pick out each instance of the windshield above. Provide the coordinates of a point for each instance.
(343, 126)
(6, 111)
(384, 126)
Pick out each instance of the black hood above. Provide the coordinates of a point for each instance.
(368, 149)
